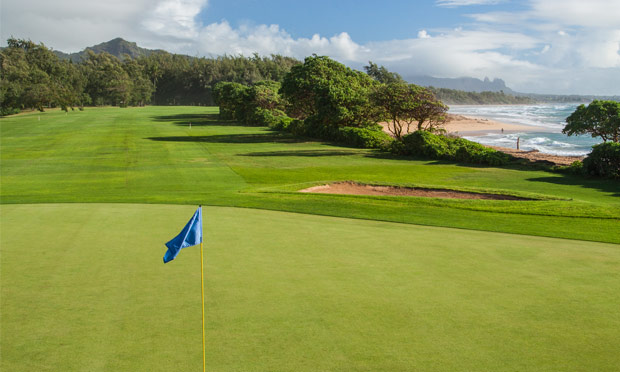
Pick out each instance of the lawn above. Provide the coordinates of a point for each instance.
(84, 288)
(294, 281)
(153, 155)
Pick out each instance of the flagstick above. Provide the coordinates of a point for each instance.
(202, 285)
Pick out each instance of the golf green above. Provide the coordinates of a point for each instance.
(84, 289)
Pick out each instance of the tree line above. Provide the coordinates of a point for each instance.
(324, 99)
(33, 77)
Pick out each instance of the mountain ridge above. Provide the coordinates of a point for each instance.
(117, 47)
(466, 84)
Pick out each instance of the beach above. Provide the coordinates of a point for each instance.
(462, 125)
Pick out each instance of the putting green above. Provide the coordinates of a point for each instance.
(84, 288)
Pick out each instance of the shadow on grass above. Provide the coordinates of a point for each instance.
(608, 186)
(196, 120)
(306, 153)
(232, 138)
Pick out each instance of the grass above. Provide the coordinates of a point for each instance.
(151, 155)
(88, 198)
(83, 288)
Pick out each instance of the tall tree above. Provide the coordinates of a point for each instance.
(430, 113)
(329, 93)
(382, 75)
(599, 119)
(397, 104)
(33, 77)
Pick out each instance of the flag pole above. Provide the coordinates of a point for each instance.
(202, 293)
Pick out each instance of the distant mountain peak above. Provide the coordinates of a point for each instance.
(117, 47)
(467, 84)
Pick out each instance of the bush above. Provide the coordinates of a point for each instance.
(428, 145)
(4, 111)
(603, 161)
(282, 124)
(368, 138)
(264, 118)
(575, 168)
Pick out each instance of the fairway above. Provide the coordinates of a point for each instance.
(151, 155)
(84, 288)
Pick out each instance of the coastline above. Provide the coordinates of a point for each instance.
(471, 126)
(465, 125)
(461, 125)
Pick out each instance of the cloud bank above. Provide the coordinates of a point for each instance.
(554, 46)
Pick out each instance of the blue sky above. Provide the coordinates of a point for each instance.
(540, 46)
(364, 21)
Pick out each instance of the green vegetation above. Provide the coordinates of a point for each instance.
(599, 118)
(603, 161)
(459, 97)
(403, 105)
(327, 94)
(33, 77)
(334, 103)
(295, 292)
(425, 144)
(151, 155)
(83, 286)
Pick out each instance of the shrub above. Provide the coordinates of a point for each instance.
(369, 138)
(263, 117)
(603, 161)
(426, 144)
(4, 111)
(575, 168)
(282, 123)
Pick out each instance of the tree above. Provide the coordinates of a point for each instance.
(231, 98)
(599, 118)
(32, 77)
(404, 104)
(108, 82)
(329, 94)
(382, 75)
(397, 104)
(429, 112)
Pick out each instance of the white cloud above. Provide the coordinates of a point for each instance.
(557, 46)
(423, 35)
(590, 13)
(175, 18)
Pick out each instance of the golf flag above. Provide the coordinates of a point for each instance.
(189, 236)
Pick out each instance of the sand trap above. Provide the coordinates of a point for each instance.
(352, 188)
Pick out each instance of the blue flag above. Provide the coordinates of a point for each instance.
(189, 236)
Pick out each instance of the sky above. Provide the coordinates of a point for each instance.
(535, 46)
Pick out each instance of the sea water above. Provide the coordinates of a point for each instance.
(551, 117)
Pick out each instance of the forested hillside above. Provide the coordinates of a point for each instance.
(33, 77)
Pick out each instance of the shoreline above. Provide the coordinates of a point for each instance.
(472, 126)
(461, 125)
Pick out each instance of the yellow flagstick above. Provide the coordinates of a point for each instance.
(202, 286)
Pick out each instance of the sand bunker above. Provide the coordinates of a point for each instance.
(353, 188)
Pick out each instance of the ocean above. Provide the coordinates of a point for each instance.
(552, 117)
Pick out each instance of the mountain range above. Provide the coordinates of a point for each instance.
(117, 47)
(467, 84)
